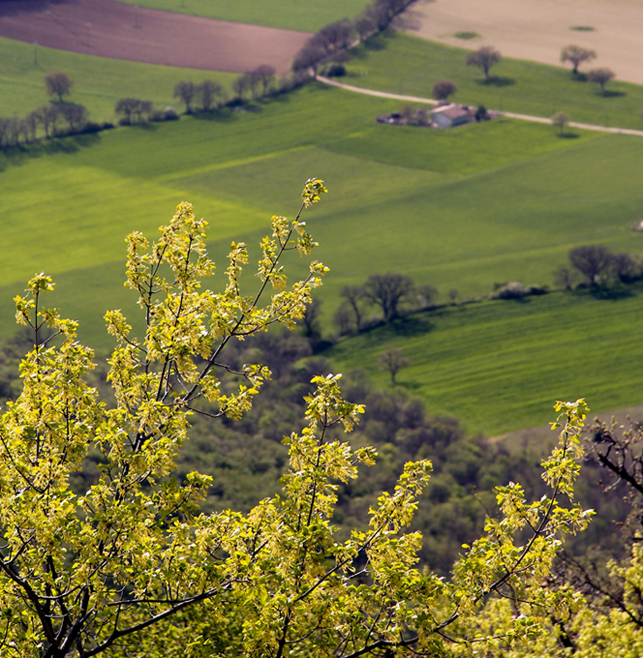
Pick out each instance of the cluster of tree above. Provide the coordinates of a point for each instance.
(394, 294)
(598, 266)
(577, 55)
(443, 89)
(135, 110)
(51, 120)
(258, 83)
(208, 95)
(333, 40)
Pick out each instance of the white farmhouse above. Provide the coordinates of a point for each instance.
(453, 114)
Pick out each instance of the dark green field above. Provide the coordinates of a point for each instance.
(500, 365)
(404, 64)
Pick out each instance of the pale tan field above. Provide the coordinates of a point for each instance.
(538, 29)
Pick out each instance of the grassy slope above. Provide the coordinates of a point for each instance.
(463, 208)
(99, 82)
(499, 366)
(305, 15)
(492, 224)
(404, 64)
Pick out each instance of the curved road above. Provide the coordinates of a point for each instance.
(512, 115)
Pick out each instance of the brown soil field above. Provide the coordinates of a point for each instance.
(538, 29)
(122, 31)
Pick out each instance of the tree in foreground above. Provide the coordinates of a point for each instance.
(443, 89)
(601, 77)
(58, 84)
(128, 566)
(484, 58)
(576, 55)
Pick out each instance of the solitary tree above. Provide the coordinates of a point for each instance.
(592, 260)
(601, 77)
(58, 84)
(576, 55)
(392, 360)
(388, 291)
(185, 90)
(560, 120)
(443, 89)
(484, 58)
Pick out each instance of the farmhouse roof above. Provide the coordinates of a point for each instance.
(452, 111)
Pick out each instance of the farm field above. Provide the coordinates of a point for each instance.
(464, 209)
(306, 15)
(98, 82)
(116, 30)
(500, 365)
(538, 29)
(404, 64)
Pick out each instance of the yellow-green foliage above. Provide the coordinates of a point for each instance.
(129, 564)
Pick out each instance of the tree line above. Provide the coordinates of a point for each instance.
(47, 118)
(332, 41)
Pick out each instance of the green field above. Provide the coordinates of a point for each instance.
(98, 82)
(404, 64)
(457, 209)
(499, 366)
(305, 15)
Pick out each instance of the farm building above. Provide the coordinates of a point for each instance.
(453, 114)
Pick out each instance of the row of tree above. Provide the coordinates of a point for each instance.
(334, 39)
(51, 118)
(394, 294)
(597, 266)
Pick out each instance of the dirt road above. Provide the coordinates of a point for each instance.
(512, 115)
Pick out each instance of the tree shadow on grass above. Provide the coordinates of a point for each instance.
(410, 386)
(611, 294)
(610, 93)
(568, 135)
(18, 155)
(223, 115)
(498, 81)
(410, 326)
(147, 126)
